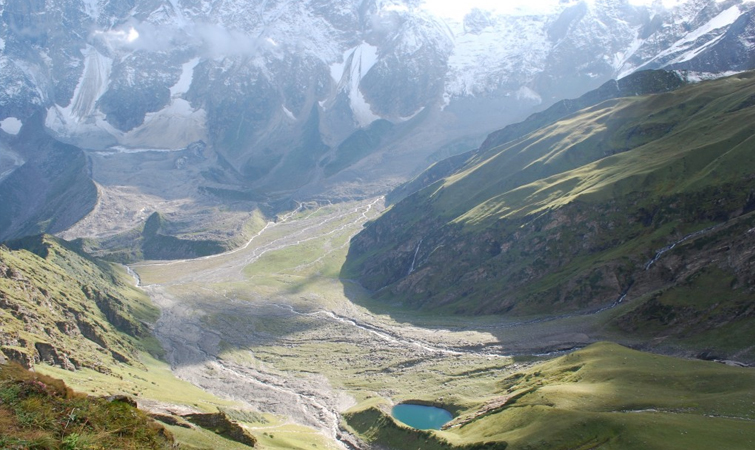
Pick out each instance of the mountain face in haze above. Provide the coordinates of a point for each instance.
(649, 199)
(643, 82)
(292, 98)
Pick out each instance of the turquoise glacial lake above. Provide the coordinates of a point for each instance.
(421, 417)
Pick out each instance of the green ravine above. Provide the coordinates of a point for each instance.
(73, 317)
(569, 219)
(63, 307)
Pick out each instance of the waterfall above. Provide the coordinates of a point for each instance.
(414, 261)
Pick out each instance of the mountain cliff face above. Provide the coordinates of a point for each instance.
(275, 89)
(50, 190)
(633, 198)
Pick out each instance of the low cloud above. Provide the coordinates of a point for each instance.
(207, 40)
(217, 41)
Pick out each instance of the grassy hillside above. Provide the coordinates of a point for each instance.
(39, 412)
(81, 320)
(61, 307)
(640, 83)
(570, 218)
(602, 397)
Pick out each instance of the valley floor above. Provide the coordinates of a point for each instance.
(272, 326)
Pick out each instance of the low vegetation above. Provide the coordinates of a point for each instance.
(65, 308)
(39, 412)
(604, 396)
(569, 219)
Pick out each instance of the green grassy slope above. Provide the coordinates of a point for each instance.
(64, 308)
(39, 412)
(637, 84)
(567, 218)
(79, 319)
(602, 397)
(680, 141)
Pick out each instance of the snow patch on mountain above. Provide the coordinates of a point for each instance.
(357, 62)
(130, 150)
(93, 83)
(686, 44)
(288, 113)
(184, 82)
(80, 117)
(620, 58)
(696, 77)
(408, 118)
(511, 48)
(11, 125)
(92, 8)
(361, 109)
(172, 128)
(528, 95)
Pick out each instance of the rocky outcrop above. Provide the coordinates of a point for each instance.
(220, 424)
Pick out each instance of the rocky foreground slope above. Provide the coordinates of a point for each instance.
(61, 307)
(37, 411)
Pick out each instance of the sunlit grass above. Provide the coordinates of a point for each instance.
(604, 396)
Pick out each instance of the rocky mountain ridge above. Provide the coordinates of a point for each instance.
(275, 90)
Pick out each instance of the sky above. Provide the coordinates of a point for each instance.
(457, 9)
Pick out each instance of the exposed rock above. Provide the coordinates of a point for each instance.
(64, 309)
(21, 357)
(171, 420)
(220, 424)
(122, 399)
(50, 355)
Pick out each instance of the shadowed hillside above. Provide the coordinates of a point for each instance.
(41, 412)
(641, 198)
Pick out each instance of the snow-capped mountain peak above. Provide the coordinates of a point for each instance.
(253, 78)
